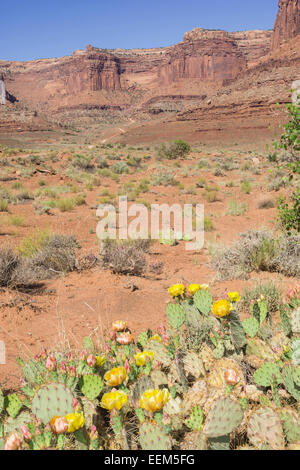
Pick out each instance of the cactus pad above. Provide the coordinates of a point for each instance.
(250, 326)
(194, 441)
(291, 425)
(224, 417)
(263, 376)
(176, 315)
(153, 437)
(91, 386)
(160, 352)
(296, 376)
(13, 405)
(52, 400)
(295, 321)
(288, 379)
(193, 365)
(264, 428)
(11, 424)
(195, 420)
(203, 301)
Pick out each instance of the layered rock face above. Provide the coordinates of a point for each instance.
(287, 23)
(102, 77)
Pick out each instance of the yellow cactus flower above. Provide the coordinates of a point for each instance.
(176, 290)
(100, 360)
(234, 296)
(115, 377)
(154, 400)
(112, 400)
(193, 288)
(141, 358)
(119, 325)
(221, 308)
(75, 421)
(155, 338)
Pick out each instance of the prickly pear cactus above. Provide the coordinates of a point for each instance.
(263, 376)
(192, 315)
(144, 383)
(173, 406)
(285, 320)
(13, 405)
(142, 339)
(237, 331)
(296, 376)
(176, 315)
(219, 351)
(160, 352)
(34, 372)
(52, 400)
(290, 385)
(193, 365)
(251, 326)
(224, 417)
(153, 437)
(11, 424)
(195, 421)
(264, 428)
(91, 386)
(88, 343)
(194, 441)
(291, 424)
(257, 347)
(203, 301)
(159, 378)
(295, 321)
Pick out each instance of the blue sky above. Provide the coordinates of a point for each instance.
(32, 29)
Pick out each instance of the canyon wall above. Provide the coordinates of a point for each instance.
(287, 24)
(119, 77)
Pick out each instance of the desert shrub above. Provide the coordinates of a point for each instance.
(101, 162)
(277, 184)
(31, 244)
(289, 214)
(246, 187)
(208, 224)
(65, 204)
(9, 262)
(3, 205)
(124, 257)
(235, 208)
(177, 149)
(211, 196)
(265, 203)
(259, 251)
(16, 220)
(120, 168)
(271, 293)
(82, 162)
(164, 177)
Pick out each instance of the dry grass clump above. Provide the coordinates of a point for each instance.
(271, 292)
(125, 257)
(9, 263)
(259, 250)
(56, 256)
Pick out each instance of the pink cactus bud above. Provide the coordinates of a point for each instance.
(63, 368)
(69, 356)
(26, 433)
(13, 442)
(72, 371)
(51, 363)
(83, 355)
(127, 366)
(91, 360)
(106, 348)
(112, 335)
(44, 354)
(93, 434)
(75, 403)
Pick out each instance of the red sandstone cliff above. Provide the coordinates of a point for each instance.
(122, 77)
(287, 23)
